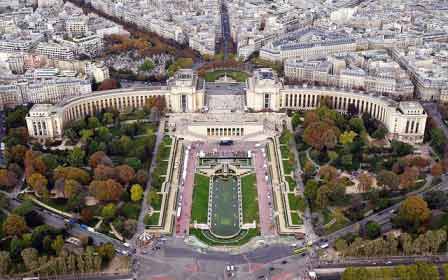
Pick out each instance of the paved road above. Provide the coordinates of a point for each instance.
(145, 206)
(433, 112)
(225, 26)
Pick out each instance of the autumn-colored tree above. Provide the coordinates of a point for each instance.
(73, 173)
(418, 161)
(109, 190)
(71, 188)
(125, 173)
(365, 182)
(409, 177)
(321, 135)
(141, 176)
(414, 210)
(16, 154)
(34, 163)
(328, 172)
(39, 183)
(310, 117)
(14, 225)
(437, 169)
(308, 168)
(8, 179)
(104, 172)
(98, 158)
(86, 215)
(388, 179)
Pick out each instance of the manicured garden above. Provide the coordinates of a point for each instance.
(236, 75)
(152, 220)
(250, 198)
(207, 238)
(199, 208)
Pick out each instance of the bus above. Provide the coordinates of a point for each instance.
(225, 142)
(299, 251)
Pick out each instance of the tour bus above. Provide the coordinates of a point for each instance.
(225, 142)
(299, 251)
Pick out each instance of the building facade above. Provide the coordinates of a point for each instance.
(185, 93)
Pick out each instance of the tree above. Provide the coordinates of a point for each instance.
(380, 132)
(86, 215)
(322, 197)
(340, 245)
(104, 172)
(108, 211)
(8, 179)
(108, 190)
(14, 225)
(365, 182)
(125, 173)
(108, 118)
(57, 244)
(76, 157)
(86, 134)
(400, 148)
(388, 179)
(93, 122)
(39, 183)
(437, 169)
(98, 158)
(310, 191)
(30, 258)
(321, 135)
(357, 125)
(328, 173)
(15, 154)
(347, 137)
(141, 176)
(73, 173)
(295, 120)
(147, 66)
(373, 230)
(414, 211)
(136, 192)
(436, 199)
(5, 262)
(71, 188)
(438, 140)
(409, 177)
(106, 251)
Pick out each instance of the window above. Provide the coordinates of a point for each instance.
(266, 101)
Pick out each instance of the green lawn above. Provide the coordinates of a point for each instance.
(287, 167)
(152, 220)
(286, 152)
(296, 202)
(167, 141)
(250, 198)
(291, 183)
(236, 75)
(296, 219)
(155, 200)
(199, 208)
